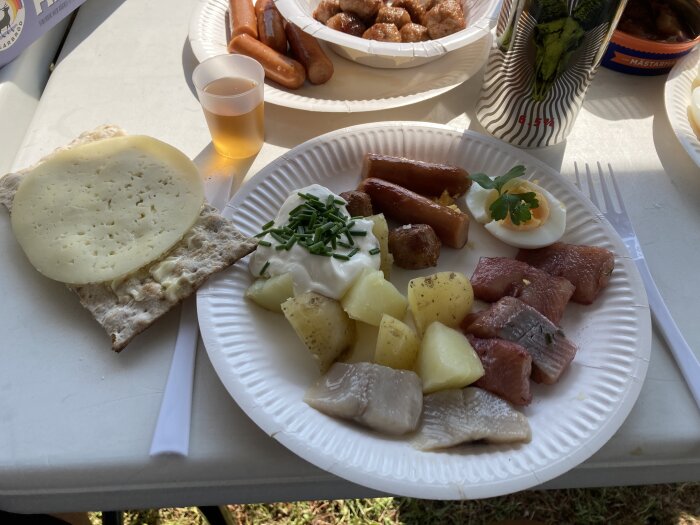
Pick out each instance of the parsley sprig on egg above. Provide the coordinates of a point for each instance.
(517, 205)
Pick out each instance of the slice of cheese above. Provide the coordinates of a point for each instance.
(101, 210)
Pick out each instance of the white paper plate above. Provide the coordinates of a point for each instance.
(353, 87)
(677, 99)
(266, 369)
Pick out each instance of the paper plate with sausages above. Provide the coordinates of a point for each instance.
(268, 370)
(352, 87)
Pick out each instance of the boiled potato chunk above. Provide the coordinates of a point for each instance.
(372, 296)
(271, 293)
(446, 359)
(381, 232)
(397, 344)
(321, 324)
(445, 296)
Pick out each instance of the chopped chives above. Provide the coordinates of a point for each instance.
(320, 225)
(265, 267)
(374, 251)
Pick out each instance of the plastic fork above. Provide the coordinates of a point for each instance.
(613, 209)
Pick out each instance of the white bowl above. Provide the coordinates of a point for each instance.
(480, 16)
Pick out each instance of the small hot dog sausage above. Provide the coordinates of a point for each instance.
(242, 19)
(307, 50)
(270, 25)
(408, 207)
(427, 178)
(278, 67)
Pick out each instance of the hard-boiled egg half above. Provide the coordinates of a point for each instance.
(546, 225)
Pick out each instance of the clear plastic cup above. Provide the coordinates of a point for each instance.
(230, 90)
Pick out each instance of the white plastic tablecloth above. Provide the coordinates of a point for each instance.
(76, 420)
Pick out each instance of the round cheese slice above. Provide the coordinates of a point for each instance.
(101, 210)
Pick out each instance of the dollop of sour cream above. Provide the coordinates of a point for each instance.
(328, 276)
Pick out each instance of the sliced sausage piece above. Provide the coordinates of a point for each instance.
(414, 246)
(414, 33)
(242, 19)
(270, 26)
(366, 9)
(359, 203)
(306, 49)
(408, 207)
(393, 15)
(326, 9)
(278, 67)
(348, 23)
(416, 9)
(427, 178)
(444, 19)
(383, 33)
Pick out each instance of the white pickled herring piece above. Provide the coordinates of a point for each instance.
(382, 398)
(451, 417)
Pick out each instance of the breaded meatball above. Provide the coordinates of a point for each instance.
(347, 23)
(326, 9)
(366, 9)
(414, 246)
(445, 19)
(393, 15)
(414, 33)
(383, 33)
(415, 9)
(358, 203)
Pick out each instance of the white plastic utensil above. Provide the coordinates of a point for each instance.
(612, 202)
(172, 433)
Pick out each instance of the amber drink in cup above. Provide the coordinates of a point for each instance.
(230, 90)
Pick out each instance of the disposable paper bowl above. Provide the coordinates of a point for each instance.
(480, 16)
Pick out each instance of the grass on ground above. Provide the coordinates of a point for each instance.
(673, 504)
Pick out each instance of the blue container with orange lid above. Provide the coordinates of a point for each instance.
(653, 35)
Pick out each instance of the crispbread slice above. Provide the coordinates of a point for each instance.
(127, 306)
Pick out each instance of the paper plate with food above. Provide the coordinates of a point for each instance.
(303, 73)
(428, 312)
(682, 99)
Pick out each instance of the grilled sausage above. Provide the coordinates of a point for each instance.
(414, 246)
(278, 67)
(306, 49)
(270, 25)
(242, 19)
(408, 207)
(427, 178)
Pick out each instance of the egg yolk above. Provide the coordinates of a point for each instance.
(539, 215)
